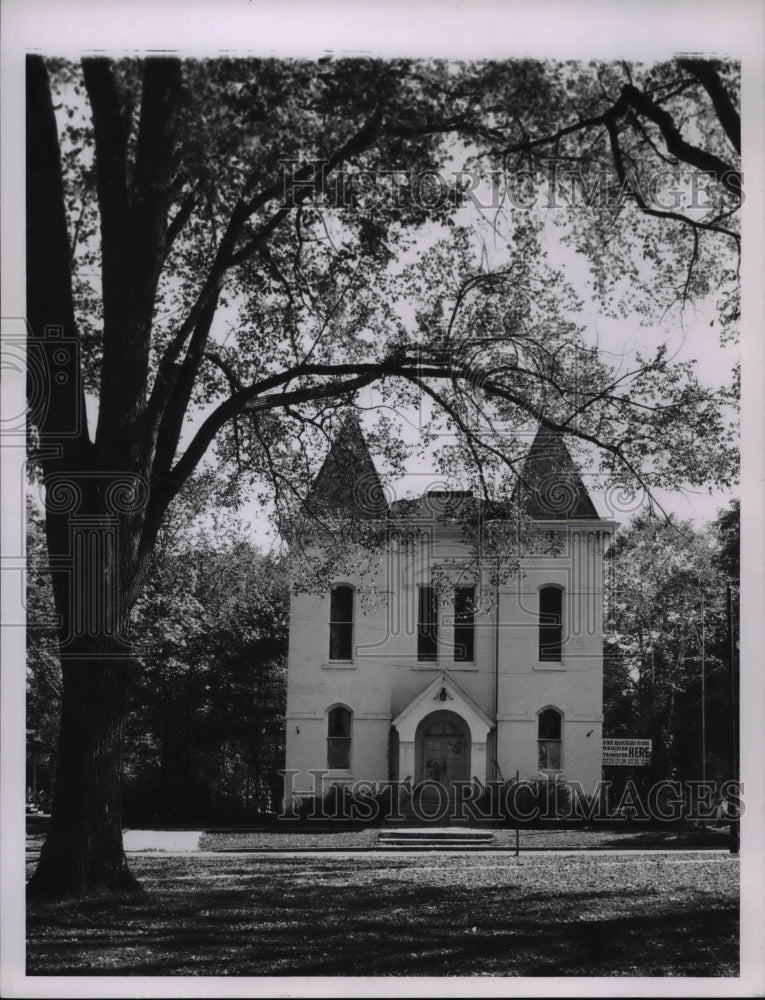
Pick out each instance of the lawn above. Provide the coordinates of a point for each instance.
(429, 915)
(291, 836)
(590, 838)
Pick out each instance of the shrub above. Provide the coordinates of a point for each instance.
(535, 803)
(342, 804)
(152, 798)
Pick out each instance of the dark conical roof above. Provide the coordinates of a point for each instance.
(348, 483)
(551, 487)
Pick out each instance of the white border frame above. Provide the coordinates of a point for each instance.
(590, 28)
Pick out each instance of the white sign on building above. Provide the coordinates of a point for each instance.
(626, 753)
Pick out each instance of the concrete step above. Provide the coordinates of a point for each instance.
(434, 837)
(385, 839)
(432, 845)
(464, 833)
(407, 818)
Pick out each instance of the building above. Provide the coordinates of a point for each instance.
(437, 666)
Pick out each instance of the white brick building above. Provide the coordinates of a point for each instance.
(470, 679)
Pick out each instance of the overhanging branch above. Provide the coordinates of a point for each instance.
(694, 156)
(705, 72)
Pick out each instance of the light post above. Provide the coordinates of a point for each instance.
(733, 814)
(703, 694)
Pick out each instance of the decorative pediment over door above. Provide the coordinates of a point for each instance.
(443, 692)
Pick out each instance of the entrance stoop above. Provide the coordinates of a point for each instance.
(442, 818)
(442, 838)
(444, 814)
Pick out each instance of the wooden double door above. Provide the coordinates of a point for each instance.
(445, 752)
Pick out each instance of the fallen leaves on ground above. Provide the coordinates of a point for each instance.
(374, 915)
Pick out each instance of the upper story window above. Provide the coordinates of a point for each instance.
(341, 623)
(549, 739)
(427, 625)
(550, 623)
(339, 738)
(464, 624)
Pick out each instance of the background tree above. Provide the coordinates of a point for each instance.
(43, 669)
(205, 731)
(205, 727)
(160, 211)
(667, 619)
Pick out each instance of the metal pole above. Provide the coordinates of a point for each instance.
(517, 829)
(703, 696)
(496, 673)
(733, 827)
(732, 683)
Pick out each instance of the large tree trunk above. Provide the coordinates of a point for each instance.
(90, 524)
(83, 851)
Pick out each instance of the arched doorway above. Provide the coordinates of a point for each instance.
(442, 748)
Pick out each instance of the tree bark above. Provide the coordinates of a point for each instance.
(83, 852)
(91, 520)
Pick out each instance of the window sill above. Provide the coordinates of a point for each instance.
(450, 667)
(338, 665)
(550, 665)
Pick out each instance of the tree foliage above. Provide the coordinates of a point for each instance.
(205, 725)
(43, 669)
(205, 732)
(667, 654)
(290, 189)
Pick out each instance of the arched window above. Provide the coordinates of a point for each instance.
(339, 738)
(549, 729)
(550, 623)
(341, 623)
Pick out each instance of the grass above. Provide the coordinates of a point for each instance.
(285, 838)
(433, 915)
(288, 837)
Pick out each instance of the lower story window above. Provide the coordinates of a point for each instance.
(549, 740)
(339, 738)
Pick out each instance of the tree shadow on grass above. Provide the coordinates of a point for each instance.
(386, 929)
(682, 840)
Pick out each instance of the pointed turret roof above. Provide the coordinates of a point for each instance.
(551, 486)
(348, 482)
